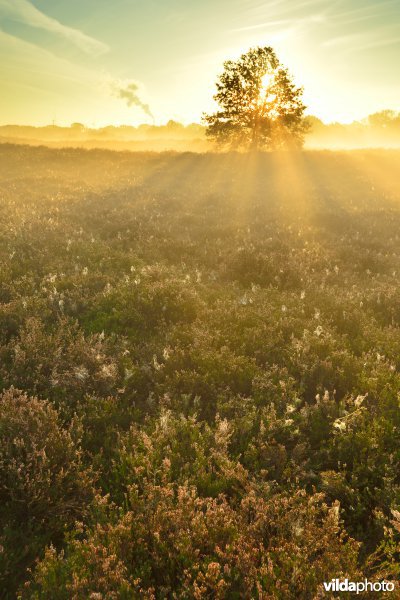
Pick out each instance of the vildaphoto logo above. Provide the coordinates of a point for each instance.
(344, 585)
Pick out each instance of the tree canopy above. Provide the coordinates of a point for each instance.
(259, 104)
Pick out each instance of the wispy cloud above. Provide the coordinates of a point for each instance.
(279, 8)
(23, 11)
(357, 42)
(386, 34)
(363, 13)
(293, 24)
(263, 25)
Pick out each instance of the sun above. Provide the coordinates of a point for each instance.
(267, 80)
(267, 97)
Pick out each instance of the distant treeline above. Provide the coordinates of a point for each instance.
(172, 136)
(381, 129)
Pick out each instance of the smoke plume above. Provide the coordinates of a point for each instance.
(130, 94)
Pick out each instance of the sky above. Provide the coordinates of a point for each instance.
(148, 61)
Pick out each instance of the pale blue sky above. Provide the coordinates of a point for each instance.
(68, 60)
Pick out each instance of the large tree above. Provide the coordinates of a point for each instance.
(259, 105)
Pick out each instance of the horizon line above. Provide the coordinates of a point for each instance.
(95, 127)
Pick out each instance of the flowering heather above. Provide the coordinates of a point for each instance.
(200, 374)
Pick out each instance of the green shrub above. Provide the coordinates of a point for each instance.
(44, 487)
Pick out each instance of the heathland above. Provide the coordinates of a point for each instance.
(200, 358)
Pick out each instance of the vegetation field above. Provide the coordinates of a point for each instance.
(200, 365)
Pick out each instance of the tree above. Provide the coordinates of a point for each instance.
(384, 119)
(260, 106)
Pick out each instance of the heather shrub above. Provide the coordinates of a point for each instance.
(61, 364)
(44, 486)
(172, 543)
(194, 452)
(145, 302)
(204, 373)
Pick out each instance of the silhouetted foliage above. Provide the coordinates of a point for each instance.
(260, 106)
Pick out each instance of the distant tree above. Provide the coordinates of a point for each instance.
(78, 127)
(174, 125)
(260, 106)
(313, 123)
(384, 119)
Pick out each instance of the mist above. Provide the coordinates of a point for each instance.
(378, 130)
